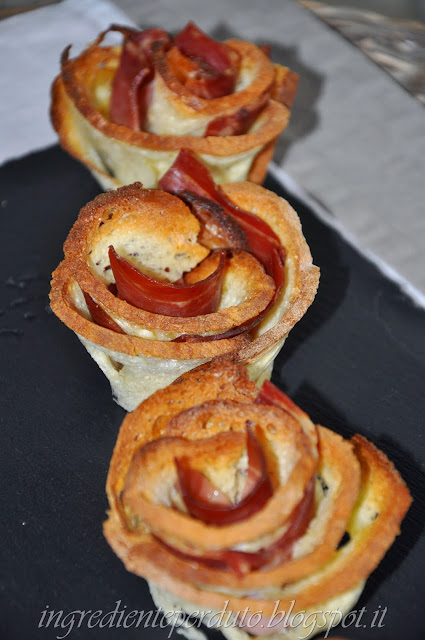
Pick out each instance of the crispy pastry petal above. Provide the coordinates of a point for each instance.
(118, 155)
(290, 447)
(358, 492)
(157, 229)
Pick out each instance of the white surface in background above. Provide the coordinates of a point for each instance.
(30, 47)
(389, 272)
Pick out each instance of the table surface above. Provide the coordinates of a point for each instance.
(356, 140)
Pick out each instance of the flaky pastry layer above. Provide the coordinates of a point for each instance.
(118, 155)
(156, 229)
(358, 492)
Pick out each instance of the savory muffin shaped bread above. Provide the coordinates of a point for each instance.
(125, 111)
(154, 284)
(225, 495)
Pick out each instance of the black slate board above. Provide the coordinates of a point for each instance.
(355, 363)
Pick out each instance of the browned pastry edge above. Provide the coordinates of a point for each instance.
(72, 82)
(276, 212)
(133, 198)
(347, 567)
(62, 303)
(272, 210)
(71, 142)
(254, 94)
(216, 382)
(182, 531)
(336, 452)
(372, 547)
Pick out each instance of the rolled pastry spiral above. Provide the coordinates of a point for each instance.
(282, 553)
(144, 350)
(176, 118)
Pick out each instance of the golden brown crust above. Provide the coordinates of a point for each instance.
(241, 267)
(181, 530)
(216, 382)
(256, 62)
(336, 453)
(285, 85)
(125, 207)
(330, 582)
(76, 87)
(273, 119)
(63, 305)
(302, 277)
(129, 216)
(370, 506)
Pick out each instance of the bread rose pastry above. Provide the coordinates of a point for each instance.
(125, 111)
(155, 284)
(225, 497)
